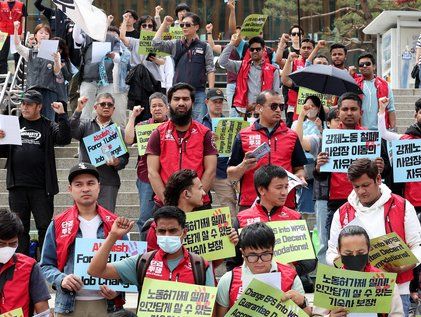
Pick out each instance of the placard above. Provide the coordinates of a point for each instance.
(226, 129)
(176, 33)
(47, 48)
(143, 133)
(13, 313)
(145, 43)
(253, 25)
(406, 158)
(326, 99)
(11, 127)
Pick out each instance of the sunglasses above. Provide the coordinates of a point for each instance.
(274, 106)
(295, 34)
(254, 115)
(186, 25)
(106, 104)
(147, 26)
(255, 49)
(365, 64)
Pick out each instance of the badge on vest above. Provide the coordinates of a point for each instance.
(252, 220)
(254, 140)
(199, 50)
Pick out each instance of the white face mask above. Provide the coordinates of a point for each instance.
(6, 254)
(252, 119)
(169, 244)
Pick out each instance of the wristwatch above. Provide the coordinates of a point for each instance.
(304, 304)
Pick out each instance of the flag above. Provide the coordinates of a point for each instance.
(89, 18)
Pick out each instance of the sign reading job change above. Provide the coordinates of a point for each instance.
(345, 146)
(406, 157)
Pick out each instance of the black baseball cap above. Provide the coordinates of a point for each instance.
(32, 96)
(215, 93)
(82, 168)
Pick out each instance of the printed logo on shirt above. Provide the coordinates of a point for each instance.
(30, 136)
(252, 220)
(66, 227)
(168, 136)
(155, 268)
(254, 140)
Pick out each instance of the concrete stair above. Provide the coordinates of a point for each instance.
(405, 107)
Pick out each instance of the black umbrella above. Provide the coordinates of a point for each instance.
(325, 79)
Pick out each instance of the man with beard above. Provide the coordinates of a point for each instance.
(180, 143)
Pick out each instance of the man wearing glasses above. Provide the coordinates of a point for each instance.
(108, 173)
(284, 144)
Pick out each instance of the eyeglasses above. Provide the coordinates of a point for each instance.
(254, 115)
(186, 25)
(106, 104)
(253, 258)
(147, 26)
(255, 49)
(274, 106)
(365, 64)
(295, 34)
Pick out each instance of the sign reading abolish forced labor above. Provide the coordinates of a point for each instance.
(208, 233)
(261, 299)
(143, 133)
(84, 252)
(13, 313)
(253, 25)
(292, 241)
(345, 146)
(303, 93)
(226, 129)
(145, 43)
(104, 145)
(172, 299)
(406, 156)
(364, 292)
(390, 249)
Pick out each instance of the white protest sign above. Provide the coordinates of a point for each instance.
(99, 50)
(47, 48)
(11, 128)
(272, 279)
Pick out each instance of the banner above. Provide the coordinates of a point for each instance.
(345, 146)
(105, 144)
(390, 249)
(176, 33)
(226, 129)
(303, 93)
(13, 313)
(362, 292)
(173, 299)
(406, 157)
(292, 241)
(143, 133)
(261, 299)
(84, 252)
(89, 18)
(208, 233)
(145, 43)
(253, 25)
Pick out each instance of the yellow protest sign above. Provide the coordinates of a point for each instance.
(145, 44)
(226, 129)
(13, 313)
(173, 299)
(364, 292)
(176, 33)
(208, 233)
(303, 93)
(292, 241)
(3, 38)
(143, 133)
(253, 25)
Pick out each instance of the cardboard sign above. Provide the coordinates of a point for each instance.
(345, 146)
(406, 157)
(176, 33)
(363, 292)
(208, 233)
(253, 25)
(11, 127)
(143, 133)
(13, 313)
(303, 93)
(145, 43)
(226, 129)
(84, 252)
(174, 299)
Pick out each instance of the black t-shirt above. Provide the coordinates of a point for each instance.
(29, 159)
(288, 50)
(11, 5)
(134, 34)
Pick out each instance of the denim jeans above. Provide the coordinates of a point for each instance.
(146, 202)
(406, 303)
(230, 93)
(321, 216)
(48, 97)
(199, 108)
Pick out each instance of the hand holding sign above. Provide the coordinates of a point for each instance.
(248, 162)
(121, 227)
(234, 239)
(113, 161)
(380, 164)
(293, 295)
(107, 293)
(338, 312)
(2, 134)
(322, 159)
(72, 283)
(397, 269)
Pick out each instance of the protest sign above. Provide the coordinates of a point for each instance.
(253, 25)
(13, 313)
(84, 252)
(3, 38)
(294, 181)
(390, 249)
(172, 299)
(292, 241)
(345, 146)
(145, 43)
(47, 49)
(208, 233)
(406, 155)
(261, 299)
(99, 50)
(105, 144)
(226, 129)
(364, 292)
(143, 132)
(176, 33)
(11, 127)
(303, 93)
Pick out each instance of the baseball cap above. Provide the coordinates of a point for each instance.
(82, 168)
(32, 96)
(215, 93)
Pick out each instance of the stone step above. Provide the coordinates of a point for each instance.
(406, 92)
(405, 106)
(67, 163)
(404, 99)
(404, 113)
(72, 149)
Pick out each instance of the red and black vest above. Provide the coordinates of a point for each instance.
(66, 226)
(15, 293)
(412, 190)
(288, 275)
(394, 220)
(292, 94)
(184, 153)
(282, 143)
(258, 213)
(7, 17)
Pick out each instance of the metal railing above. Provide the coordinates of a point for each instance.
(10, 93)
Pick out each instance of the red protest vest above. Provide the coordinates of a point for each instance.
(186, 153)
(382, 91)
(66, 227)
(394, 220)
(281, 143)
(288, 275)
(158, 269)
(292, 94)
(258, 214)
(16, 291)
(412, 189)
(241, 89)
(7, 17)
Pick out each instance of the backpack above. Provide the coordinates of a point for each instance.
(145, 229)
